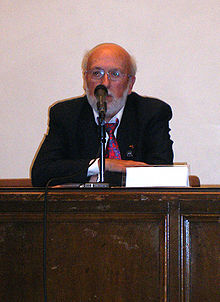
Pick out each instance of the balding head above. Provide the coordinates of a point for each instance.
(114, 48)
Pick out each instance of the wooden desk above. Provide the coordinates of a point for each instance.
(118, 245)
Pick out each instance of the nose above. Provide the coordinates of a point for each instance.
(105, 80)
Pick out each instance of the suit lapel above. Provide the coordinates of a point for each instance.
(128, 131)
(88, 132)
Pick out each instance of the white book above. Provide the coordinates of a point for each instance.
(158, 176)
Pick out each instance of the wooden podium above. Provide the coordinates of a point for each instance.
(111, 245)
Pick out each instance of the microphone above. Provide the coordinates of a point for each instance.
(100, 93)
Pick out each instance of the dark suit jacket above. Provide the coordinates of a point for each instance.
(73, 138)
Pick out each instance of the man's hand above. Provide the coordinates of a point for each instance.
(119, 165)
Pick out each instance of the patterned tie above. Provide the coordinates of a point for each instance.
(112, 149)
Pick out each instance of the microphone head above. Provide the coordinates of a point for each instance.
(100, 90)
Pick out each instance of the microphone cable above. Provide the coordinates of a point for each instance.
(45, 211)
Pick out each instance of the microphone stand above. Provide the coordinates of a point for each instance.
(102, 107)
(101, 119)
(102, 147)
(101, 183)
(100, 93)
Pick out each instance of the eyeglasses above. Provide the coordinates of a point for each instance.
(113, 75)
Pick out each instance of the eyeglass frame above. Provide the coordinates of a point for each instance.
(108, 74)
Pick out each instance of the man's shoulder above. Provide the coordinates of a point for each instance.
(69, 104)
(148, 107)
(69, 110)
(146, 101)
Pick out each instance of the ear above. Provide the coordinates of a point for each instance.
(131, 84)
(84, 80)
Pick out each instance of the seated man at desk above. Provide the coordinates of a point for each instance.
(140, 125)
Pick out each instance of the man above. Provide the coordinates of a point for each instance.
(72, 142)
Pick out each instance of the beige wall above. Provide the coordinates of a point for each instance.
(176, 44)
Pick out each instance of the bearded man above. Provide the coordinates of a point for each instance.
(141, 131)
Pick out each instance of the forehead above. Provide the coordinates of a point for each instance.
(108, 57)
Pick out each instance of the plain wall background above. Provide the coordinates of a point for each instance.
(175, 43)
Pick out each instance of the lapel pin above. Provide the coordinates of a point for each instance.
(130, 151)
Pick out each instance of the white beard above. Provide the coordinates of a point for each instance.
(113, 107)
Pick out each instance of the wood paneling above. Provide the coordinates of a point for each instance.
(111, 245)
(201, 257)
